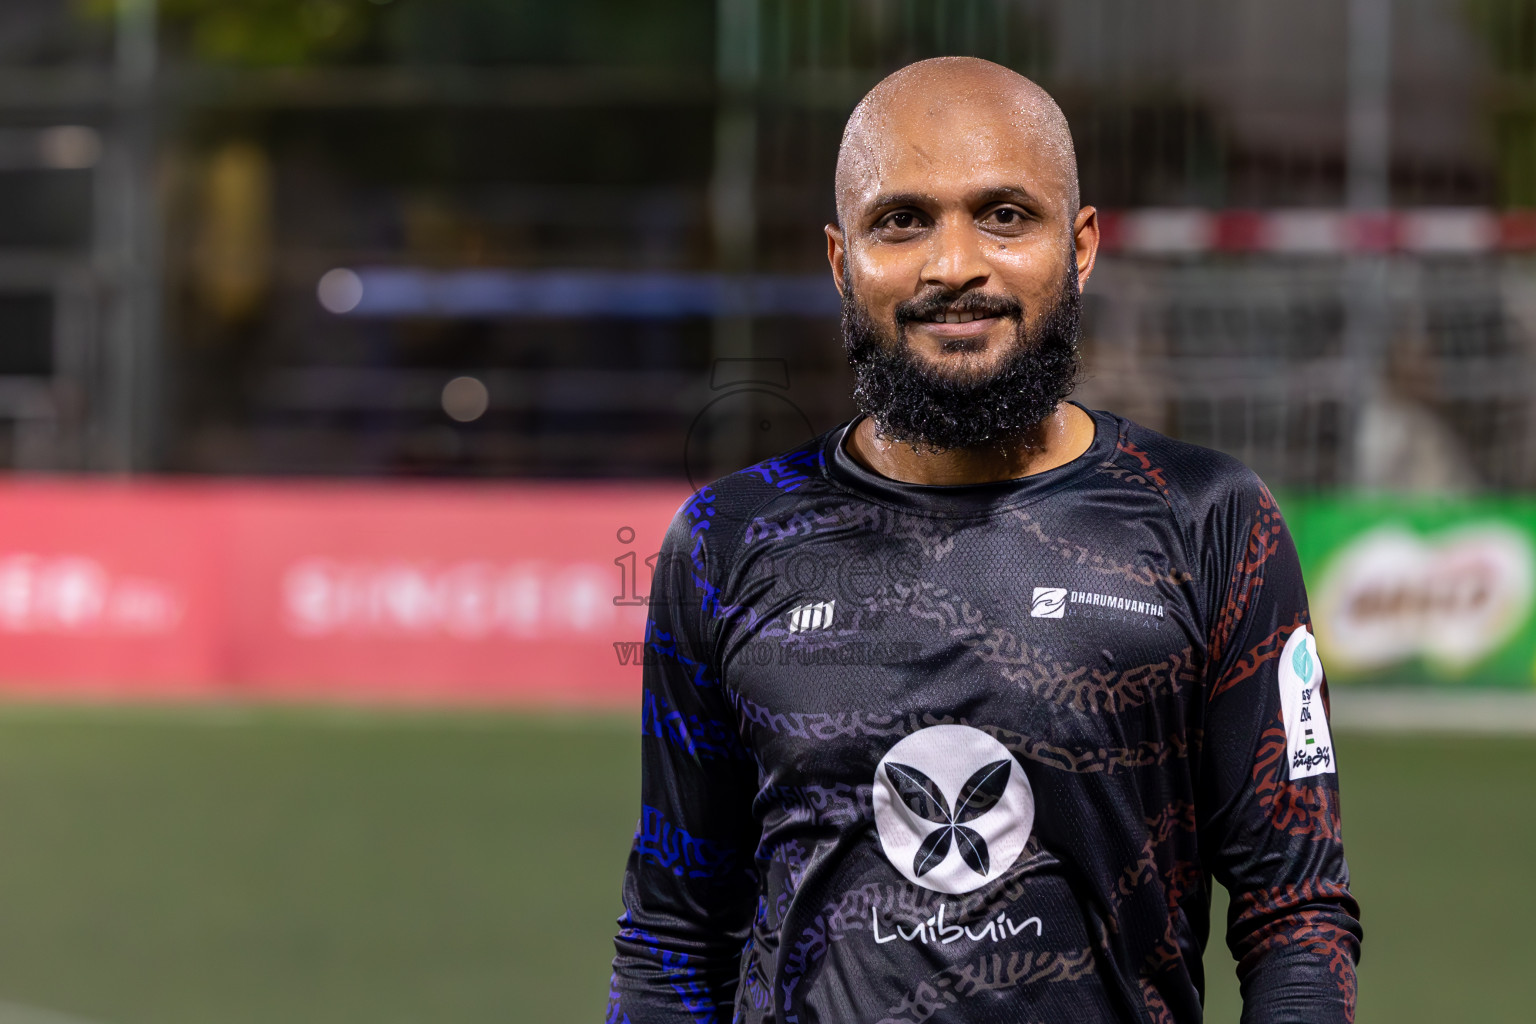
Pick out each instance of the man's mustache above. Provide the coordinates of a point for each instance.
(977, 304)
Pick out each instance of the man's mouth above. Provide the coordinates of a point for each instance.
(957, 313)
(958, 325)
(957, 318)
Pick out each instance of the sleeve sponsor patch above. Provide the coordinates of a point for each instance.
(1308, 744)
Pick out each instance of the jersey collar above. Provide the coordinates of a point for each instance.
(952, 499)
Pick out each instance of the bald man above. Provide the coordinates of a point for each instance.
(955, 712)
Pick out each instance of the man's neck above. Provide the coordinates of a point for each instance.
(1061, 437)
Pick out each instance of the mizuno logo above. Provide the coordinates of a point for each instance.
(817, 615)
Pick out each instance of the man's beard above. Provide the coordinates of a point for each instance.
(933, 411)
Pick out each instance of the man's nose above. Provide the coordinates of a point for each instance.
(957, 261)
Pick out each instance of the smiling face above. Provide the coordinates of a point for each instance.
(959, 227)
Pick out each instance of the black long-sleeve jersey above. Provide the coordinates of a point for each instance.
(975, 753)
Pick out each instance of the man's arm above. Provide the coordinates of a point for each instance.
(689, 887)
(1269, 797)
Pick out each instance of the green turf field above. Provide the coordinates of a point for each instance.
(201, 867)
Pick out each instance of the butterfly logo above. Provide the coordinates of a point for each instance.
(953, 808)
(979, 795)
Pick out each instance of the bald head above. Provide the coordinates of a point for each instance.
(951, 109)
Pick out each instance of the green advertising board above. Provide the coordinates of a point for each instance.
(1420, 591)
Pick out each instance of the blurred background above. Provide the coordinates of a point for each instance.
(354, 355)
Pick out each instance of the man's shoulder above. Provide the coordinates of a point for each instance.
(722, 510)
(1191, 477)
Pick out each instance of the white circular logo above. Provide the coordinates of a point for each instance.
(952, 807)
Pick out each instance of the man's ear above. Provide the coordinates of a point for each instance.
(837, 254)
(1085, 237)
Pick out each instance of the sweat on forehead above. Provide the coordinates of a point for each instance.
(944, 86)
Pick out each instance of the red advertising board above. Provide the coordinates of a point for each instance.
(413, 592)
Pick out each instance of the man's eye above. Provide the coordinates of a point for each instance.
(1006, 217)
(902, 221)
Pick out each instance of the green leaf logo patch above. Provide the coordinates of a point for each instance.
(1301, 661)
